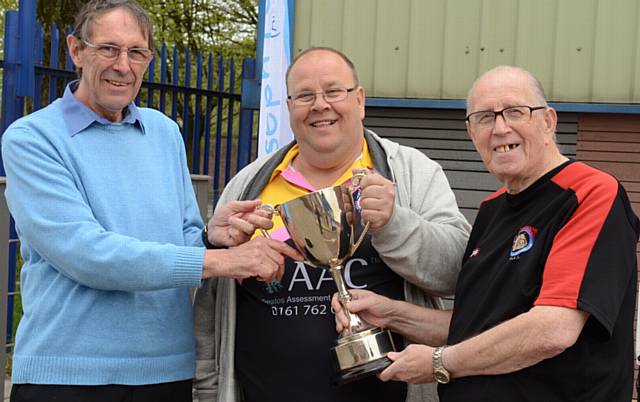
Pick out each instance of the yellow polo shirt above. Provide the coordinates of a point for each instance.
(286, 184)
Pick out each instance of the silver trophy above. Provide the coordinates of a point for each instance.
(323, 227)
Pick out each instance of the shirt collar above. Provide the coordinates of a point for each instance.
(78, 116)
(284, 167)
(284, 164)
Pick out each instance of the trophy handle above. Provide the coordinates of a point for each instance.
(271, 210)
(357, 177)
(274, 211)
(355, 181)
(355, 246)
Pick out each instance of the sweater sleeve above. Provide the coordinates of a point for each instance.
(426, 236)
(56, 223)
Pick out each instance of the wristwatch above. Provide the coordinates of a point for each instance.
(440, 374)
(205, 240)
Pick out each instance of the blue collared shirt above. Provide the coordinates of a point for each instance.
(78, 116)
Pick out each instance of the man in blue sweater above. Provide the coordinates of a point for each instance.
(110, 232)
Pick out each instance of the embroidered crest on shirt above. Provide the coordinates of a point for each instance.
(523, 241)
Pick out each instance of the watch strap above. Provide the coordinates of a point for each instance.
(440, 374)
(205, 240)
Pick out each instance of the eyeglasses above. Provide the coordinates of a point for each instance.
(512, 115)
(330, 96)
(138, 55)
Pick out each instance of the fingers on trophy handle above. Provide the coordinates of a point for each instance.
(271, 210)
(357, 177)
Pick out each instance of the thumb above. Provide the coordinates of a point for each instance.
(393, 356)
(355, 305)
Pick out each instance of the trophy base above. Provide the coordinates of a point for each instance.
(361, 354)
(365, 370)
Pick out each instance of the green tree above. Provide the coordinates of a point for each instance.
(61, 12)
(223, 27)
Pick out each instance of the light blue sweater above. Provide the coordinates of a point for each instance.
(110, 236)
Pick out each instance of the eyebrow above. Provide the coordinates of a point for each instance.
(118, 45)
(504, 106)
(326, 85)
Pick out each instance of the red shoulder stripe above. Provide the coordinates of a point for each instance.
(497, 194)
(567, 262)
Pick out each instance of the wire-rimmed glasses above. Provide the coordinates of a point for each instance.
(330, 96)
(138, 55)
(512, 115)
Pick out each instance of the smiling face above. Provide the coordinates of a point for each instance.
(328, 134)
(107, 87)
(516, 153)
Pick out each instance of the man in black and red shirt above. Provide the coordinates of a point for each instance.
(545, 300)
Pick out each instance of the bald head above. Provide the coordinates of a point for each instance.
(516, 140)
(532, 84)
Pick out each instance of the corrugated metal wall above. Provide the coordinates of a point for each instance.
(441, 135)
(581, 50)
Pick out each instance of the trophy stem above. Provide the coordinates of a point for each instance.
(355, 323)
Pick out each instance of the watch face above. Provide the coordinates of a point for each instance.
(441, 377)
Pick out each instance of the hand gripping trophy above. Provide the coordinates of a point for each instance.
(323, 226)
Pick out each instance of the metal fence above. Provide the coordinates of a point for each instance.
(202, 93)
(4, 264)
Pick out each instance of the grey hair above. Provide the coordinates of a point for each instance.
(352, 67)
(83, 25)
(535, 84)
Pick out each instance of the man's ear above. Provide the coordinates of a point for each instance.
(472, 135)
(360, 97)
(550, 120)
(73, 44)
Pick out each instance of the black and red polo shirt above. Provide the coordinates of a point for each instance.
(568, 240)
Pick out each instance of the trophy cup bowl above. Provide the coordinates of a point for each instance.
(323, 226)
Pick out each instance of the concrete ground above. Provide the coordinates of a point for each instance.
(7, 389)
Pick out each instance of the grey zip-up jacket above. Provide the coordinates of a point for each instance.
(423, 242)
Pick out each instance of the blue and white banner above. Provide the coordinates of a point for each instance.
(274, 129)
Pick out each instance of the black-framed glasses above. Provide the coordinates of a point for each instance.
(138, 55)
(330, 96)
(511, 115)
